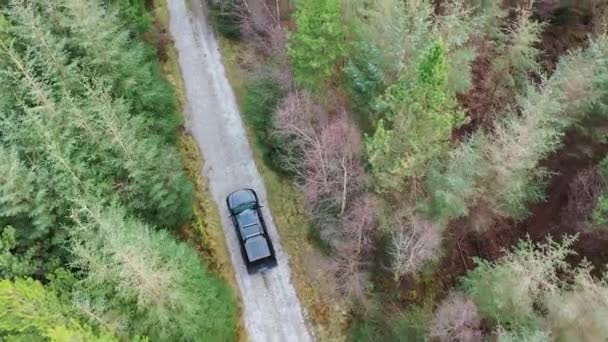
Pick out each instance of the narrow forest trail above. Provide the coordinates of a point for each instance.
(271, 308)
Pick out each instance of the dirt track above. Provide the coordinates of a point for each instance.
(271, 308)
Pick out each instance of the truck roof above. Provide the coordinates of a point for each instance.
(249, 223)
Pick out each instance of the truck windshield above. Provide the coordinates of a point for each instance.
(242, 207)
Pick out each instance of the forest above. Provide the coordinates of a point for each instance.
(451, 157)
(93, 190)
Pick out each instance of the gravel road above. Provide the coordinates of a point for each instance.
(271, 308)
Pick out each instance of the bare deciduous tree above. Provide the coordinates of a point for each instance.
(324, 156)
(295, 124)
(353, 245)
(332, 168)
(585, 189)
(415, 241)
(256, 16)
(360, 222)
(456, 319)
(352, 278)
(261, 26)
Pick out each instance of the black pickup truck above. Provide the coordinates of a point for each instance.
(246, 215)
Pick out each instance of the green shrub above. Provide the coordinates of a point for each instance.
(600, 213)
(263, 95)
(226, 19)
(376, 326)
(365, 78)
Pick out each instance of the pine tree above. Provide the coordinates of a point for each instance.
(420, 116)
(146, 282)
(30, 312)
(129, 64)
(457, 26)
(521, 141)
(365, 75)
(516, 57)
(134, 13)
(318, 42)
(389, 38)
(386, 39)
(508, 175)
(507, 291)
(16, 185)
(400, 30)
(15, 264)
(118, 145)
(579, 312)
(532, 293)
(3, 27)
(452, 183)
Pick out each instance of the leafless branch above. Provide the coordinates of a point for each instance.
(415, 241)
(456, 319)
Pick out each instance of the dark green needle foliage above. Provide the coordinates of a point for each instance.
(261, 100)
(318, 44)
(226, 17)
(87, 169)
(93, 102)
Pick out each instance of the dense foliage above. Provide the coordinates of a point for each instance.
(318, 44)
(526, 293)
(226, 18)
(133, 13)
(32, 312)
(416, 129)
(52, 103)
(263, 96)
(471, 114)
(507, 174)
(91, 178)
